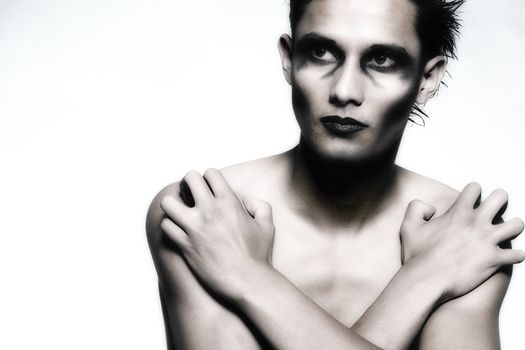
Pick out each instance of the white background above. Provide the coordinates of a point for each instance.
(102, 103)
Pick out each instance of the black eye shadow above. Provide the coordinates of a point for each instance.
(397, 53)
(308, 42)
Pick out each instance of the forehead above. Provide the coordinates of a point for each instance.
(362, 22)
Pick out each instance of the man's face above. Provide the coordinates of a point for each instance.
(356, 59)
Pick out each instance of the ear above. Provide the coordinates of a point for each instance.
(286, 50)
(432, 76)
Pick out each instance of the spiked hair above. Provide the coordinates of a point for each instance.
(437, 24)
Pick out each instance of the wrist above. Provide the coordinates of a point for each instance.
(254, 279)
(424, 277)
(401, 309)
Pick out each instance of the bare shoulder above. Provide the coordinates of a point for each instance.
(430, 191)
(155, 213)
(246, 178)
(259, 177)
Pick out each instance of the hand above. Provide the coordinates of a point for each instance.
(219, 237)
(461, 248)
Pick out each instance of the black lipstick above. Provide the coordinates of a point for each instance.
(342, 126)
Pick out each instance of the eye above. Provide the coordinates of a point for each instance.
(322, 54)
(381, 62)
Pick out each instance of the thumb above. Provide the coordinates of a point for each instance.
(418, 211)
(261, 211)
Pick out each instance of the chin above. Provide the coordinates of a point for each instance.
(346, 156)
(341, 152)
(358, 150)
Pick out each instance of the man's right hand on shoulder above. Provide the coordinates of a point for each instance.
(194, 318)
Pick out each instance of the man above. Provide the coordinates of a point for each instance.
(356, 67)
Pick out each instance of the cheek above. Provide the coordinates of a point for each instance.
(304, 98)
(394, 97)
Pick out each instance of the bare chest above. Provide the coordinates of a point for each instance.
(343, 271)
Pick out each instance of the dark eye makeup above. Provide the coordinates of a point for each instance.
(384, 58)
(316, 48)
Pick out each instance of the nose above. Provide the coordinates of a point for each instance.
(347, 87)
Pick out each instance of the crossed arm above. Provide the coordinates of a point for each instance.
(288, 318)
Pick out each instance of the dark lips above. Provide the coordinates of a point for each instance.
(342, 126)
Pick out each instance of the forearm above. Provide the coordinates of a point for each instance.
(288, 318)
(197, 320)
(400, 311)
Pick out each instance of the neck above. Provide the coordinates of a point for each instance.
(332, 191)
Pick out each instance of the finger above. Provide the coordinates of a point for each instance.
(217, 183)
(198, 188)
(176, 234)
(508, 230)
(494, 206)
(468, 198)
(510, 256)
(419, 211)
(185, 194)
(176, 211)
(261, 211)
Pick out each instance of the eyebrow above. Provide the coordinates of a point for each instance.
(314, 37)
(391, 49)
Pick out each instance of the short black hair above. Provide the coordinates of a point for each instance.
(437, 24)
